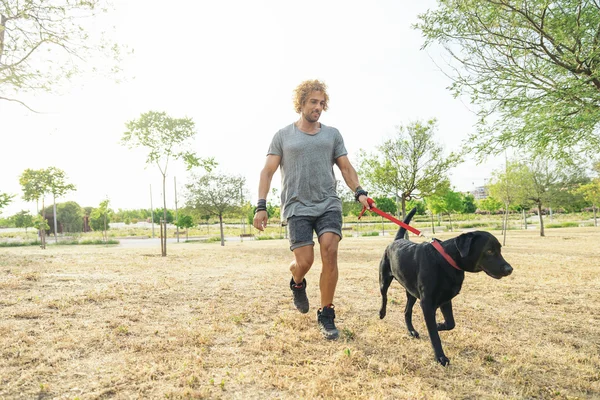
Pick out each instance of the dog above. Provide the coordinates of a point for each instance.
(427, 276)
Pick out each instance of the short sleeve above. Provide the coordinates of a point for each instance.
(276, 147)
(339, 148)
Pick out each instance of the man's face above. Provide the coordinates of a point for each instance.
(312, 108)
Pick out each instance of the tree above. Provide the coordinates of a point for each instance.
(185, 222)
(490, 204)
(23, 220)
(215, 194)
(468, 202)
(100, 219)
(5, 199)
(35, 187)
(532, 68)
(591, 193)
(70, 216)
(546, 182)
(58, 187)
(409, 165)
(445, 201)
(167, 216)
(166, 139)
(53, 34)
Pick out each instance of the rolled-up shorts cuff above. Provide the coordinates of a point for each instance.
(301, 228)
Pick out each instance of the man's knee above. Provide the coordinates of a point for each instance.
(329, 245)
(304, 257)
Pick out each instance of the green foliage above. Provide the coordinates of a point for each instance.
(165, 138)
(468, 204)
(567, 224)
(418, 204)
(5, 200)
(185, 222)
(374, 233)
(490, 204)
(57, 185)
(40, 223)
(23, 220)
(34, 184)
(216, 194)
(408, 166)
(159, 214)
(100, 218)
(590, 192)
(70, 215)
(532, 68)
(386, 205)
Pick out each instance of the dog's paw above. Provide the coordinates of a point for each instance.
(414, 334)
(444, 361)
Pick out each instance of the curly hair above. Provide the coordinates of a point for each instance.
(304, 89)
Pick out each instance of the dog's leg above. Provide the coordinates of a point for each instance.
(385, 280)
(448, 323)
(410, 302)
(434, 336)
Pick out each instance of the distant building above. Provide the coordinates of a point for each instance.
(479, 193)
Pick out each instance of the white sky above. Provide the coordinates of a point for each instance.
(232, 66)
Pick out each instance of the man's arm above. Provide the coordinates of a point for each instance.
(351, 178)
(264, 184)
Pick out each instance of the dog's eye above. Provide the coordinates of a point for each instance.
(489, 252)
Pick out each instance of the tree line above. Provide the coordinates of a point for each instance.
(530, 69)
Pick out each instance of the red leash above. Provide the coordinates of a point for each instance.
(417, 232)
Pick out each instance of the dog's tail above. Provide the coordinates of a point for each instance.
(402, 230)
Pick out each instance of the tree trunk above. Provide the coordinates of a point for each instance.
(55, 229)
(177, 226)
(3, 20)
(432, 225)
(595, 219)
(43, 229)
(539, 205)
(221, 226)
(505, 225)
(163, 238)
(450, 220)
(524, 219)
(404, 215)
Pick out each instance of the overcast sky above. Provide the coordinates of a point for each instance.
(232, 66)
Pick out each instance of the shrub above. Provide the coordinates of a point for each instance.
(370, 234)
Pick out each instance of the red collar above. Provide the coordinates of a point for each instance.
(440, 249)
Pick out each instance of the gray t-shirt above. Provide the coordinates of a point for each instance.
(308, 184)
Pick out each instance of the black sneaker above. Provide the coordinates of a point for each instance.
(300, 299)
(325, 317)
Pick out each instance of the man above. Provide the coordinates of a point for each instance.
(306, 152)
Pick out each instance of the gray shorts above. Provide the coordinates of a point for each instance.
(301, 228)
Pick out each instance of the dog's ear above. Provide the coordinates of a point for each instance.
(463, 243)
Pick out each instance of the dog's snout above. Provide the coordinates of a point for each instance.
(508, 270)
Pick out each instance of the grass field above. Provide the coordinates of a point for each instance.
(94, 322)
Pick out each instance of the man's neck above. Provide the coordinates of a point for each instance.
(308, 127)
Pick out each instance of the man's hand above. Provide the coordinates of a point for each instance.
(260, 220)
(364, 201)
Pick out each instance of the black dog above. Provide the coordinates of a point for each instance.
(427, 276)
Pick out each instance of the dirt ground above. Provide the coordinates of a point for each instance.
(93, 322)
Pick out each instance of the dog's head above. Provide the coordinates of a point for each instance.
(480, 251)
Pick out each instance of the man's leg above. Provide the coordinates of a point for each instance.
(303, 259)
(328, 242)
(302, 244)
(329, 230)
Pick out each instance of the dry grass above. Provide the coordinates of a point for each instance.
(91, 322)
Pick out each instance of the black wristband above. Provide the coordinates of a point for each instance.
(360, 192)
(261, 205)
